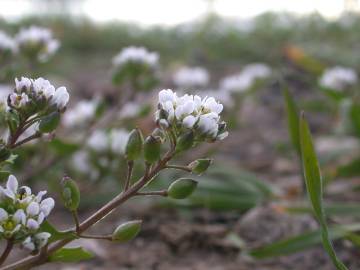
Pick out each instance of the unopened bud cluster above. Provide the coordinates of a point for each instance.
(22, 213)
(196, 118)
(36, 97)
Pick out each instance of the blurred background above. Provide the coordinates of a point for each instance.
(245, 53)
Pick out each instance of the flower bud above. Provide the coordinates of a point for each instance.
(49, 123)
(185, 141)
(182, 188)
(70, 194)
(134, 144)
(199, 166)
(152, 147)
(127, 231)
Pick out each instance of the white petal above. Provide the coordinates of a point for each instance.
(12, 184)
(3, 215)
(40, 195)
(47, 205)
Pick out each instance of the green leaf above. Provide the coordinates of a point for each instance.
(293, 119)
(301, 242)
(56, 235)
(314, 187)
(350, 169)
(355, 118)
(70, 255)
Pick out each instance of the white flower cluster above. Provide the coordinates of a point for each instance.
(83, 112)
(191, 77)
(22, 213)
(191, 112)
(338, 78)
(39, 40)
(246, 78)
(138, 55)
(7, 44)
(30, 91)
(115, 141)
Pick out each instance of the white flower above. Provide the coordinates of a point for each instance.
(20, 216)
(338, 78)
(80, 161)
(190, 112)
(18, 100)
(7, 43)
(43, 87)
(136, 55)
(246, 78)
(40, 38)
(98, 141)
(119, 139)
(167, 95)
(61, 97)
(257, 70)
(191, 77)
(28, 243)
(129, 110)
(24, 84)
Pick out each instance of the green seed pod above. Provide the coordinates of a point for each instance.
(185, 141)
(70, 194)
(152, 149)
(49, 123)
(134, 144)
(127, 231)
(199, 166)
(182, 188)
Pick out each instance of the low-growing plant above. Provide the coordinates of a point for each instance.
(182, 123)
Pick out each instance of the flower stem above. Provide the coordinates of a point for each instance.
(6, 252)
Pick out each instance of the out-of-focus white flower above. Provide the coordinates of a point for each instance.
(191, 112)
(37, 39)
(26, 211)
(136, 55)
(5, 91)
(236, 83)
(98, 141)
(83, 112)
(7, 44)
(338, 78)
(246, 78)
(129, 110)
(119, 139)
(191, 77)
(257, 70)
(80, 161)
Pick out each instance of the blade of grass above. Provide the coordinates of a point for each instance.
(292, 113)
(302, 242)
(314, 187)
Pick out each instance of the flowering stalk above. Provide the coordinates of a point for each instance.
(205, 127)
